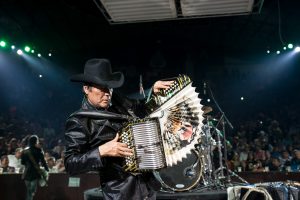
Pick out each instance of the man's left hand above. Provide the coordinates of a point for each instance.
(158, 85)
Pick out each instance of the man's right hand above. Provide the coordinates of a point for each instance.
(114, 148)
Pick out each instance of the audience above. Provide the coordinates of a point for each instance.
(265, 140)
(15, 160)
(15, 132)
(262, 146)
(5, 168)
(51, 165)
(267, 145)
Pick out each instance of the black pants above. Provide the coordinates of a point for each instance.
(135, 187)
(31, 187)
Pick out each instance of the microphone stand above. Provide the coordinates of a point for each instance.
(223, 118)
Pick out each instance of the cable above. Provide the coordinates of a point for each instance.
(216, 103)
(279, 23)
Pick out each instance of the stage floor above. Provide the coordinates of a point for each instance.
(95, 194)
(193, 195)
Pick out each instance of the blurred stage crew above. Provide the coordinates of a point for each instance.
(31, 158)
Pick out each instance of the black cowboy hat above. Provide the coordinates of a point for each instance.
(98, 72)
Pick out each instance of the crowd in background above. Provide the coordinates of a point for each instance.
(267, 142)
(267, 139)
(14, 134)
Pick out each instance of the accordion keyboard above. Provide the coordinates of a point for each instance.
(165, 94)
(144, 138)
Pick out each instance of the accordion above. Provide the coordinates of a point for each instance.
(169, 133)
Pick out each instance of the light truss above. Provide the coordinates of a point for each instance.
(132, 11)
(139, 10)
(215, 7)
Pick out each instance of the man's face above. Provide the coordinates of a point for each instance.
(4, 162)
(38, 144)
(297, 154)
(285, 155)
(98, 96)
(276, 162)
(50, 163)
(18, 154)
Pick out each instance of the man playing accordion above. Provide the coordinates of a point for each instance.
(92, 139)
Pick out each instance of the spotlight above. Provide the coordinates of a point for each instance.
(13, 47)
(2, 43)
(242, 98)
(39, 55)
(19, 52)
(297, 49)
(278, 52)
(49, 54)
(41, 76)
(208, 100)
(268, 51)
(32, 51)
(290, 46)
(27, 48)
(284, 48)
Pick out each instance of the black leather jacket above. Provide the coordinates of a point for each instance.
(85, 132)
(83, 137)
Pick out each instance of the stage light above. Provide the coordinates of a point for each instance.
(2, 43)
(208, 100)
(284, 48)
(268, 51)
(19, 52)
(41, 76)
(27, 48)
(24, 49)
(290, 46)
(278, 52)
(297, 49)
(242, 98)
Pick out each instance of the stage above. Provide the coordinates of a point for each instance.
(95, 194)
(62, 186)
(207, 195)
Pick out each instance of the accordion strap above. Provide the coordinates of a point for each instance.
(100, 115)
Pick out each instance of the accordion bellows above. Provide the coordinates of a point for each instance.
(169, 133)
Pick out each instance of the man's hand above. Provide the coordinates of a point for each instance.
(115, 149)
(161, 85)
